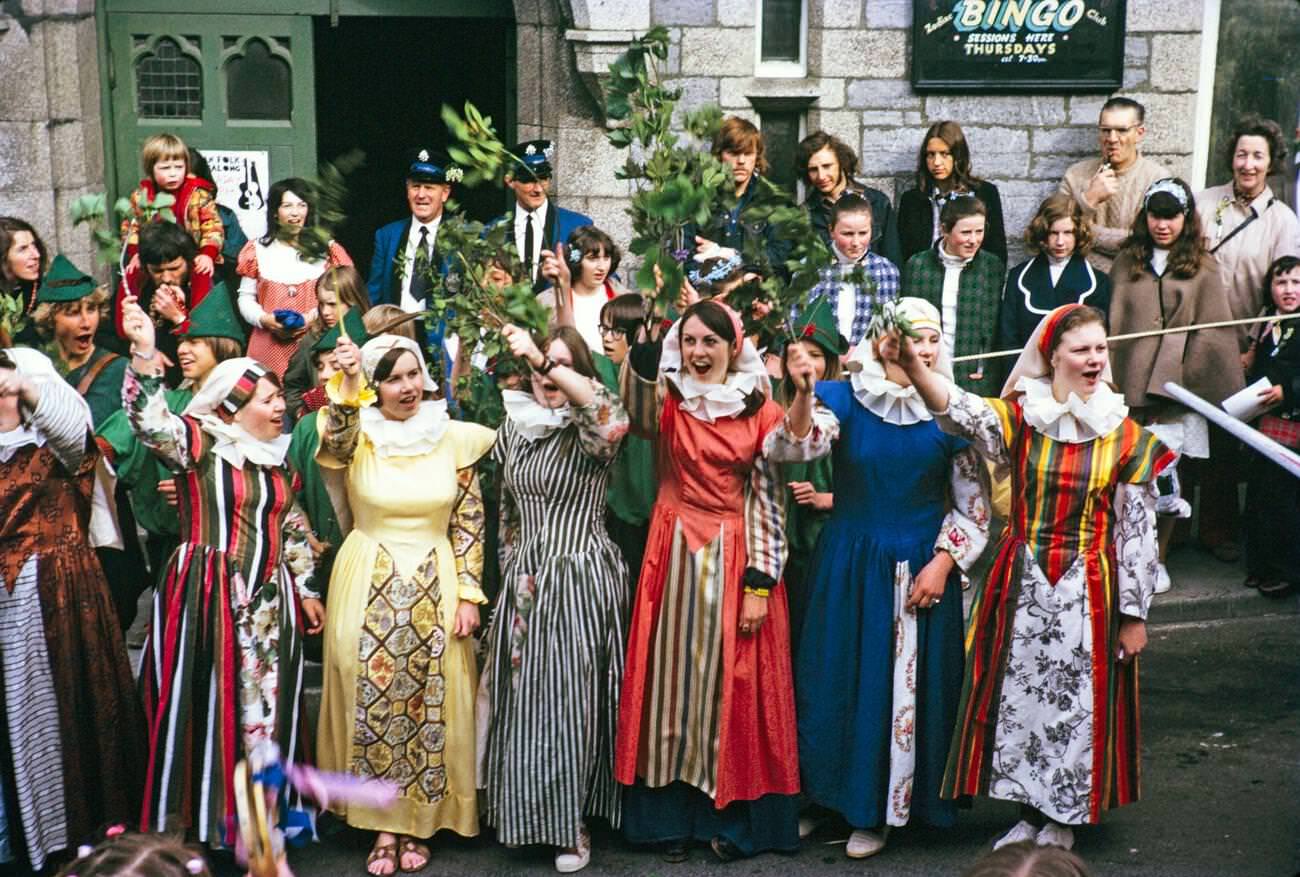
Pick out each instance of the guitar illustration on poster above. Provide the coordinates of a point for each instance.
(240, 175)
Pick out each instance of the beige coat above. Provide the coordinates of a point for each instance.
(1112, 221)
(1205, 361)
(1245, 257)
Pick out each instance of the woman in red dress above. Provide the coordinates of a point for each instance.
(706, 738)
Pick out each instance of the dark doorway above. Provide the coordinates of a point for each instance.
(380, 86)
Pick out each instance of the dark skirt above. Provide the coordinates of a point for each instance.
(681, 812)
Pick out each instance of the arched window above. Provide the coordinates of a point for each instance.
(168, 78)
(259, 81)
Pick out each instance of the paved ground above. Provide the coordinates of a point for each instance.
(1221, 769)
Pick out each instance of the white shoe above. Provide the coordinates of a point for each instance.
(1163, 583)
(575, 859)
(863, 843)
(808, 825)
(1053, 834)
(1021, 831)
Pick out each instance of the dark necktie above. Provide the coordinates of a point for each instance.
(420, 280)
(529, 246)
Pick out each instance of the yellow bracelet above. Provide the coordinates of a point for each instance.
(758, 592)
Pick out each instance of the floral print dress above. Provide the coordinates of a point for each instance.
(222, 667)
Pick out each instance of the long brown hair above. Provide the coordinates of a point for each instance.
(1185, 256)
(962, 176)
(583, 364)
(9, 227)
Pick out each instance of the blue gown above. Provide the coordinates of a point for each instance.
(891, 488)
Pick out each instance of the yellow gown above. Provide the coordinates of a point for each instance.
(417, 529)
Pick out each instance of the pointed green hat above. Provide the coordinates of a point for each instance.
(817, 323)
(213, 317)
(356, 331)
(64, 282)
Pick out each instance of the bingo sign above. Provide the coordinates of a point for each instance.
(1018, 45)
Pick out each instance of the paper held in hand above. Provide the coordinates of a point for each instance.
(1247, 404)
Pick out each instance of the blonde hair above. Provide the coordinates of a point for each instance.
(43, 313)
(160, 147)
(380, 315)
(138, 855)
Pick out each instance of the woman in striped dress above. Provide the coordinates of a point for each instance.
(706, 734)
(1049, 710)
(555, 647)
(222, 667)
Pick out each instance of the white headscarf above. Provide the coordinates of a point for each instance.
(1074, 420)
(710, 402)
(892, 402)
(419, 433)
(234, 444)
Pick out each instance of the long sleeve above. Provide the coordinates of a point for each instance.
(297, 554)
(507, 511)
(468, 533)
(249, 307)
(157, 428)
(60, 417)
(204, 223)
(765, 539)
(781, 446)
(1137, 552)
(965, 530)
(602, 425)
(643, 396)
(342, 426)
(971, 417)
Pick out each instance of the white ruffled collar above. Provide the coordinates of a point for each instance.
(892, 402)
(418, 434)
(532, 419)
(1073, 421)
(712, 402)
(236, 445)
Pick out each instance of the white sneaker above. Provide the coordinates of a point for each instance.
(1053, 834)
(1163, 583)
(576, 858)
(808, 825)
(1022, 830)
(863, 843)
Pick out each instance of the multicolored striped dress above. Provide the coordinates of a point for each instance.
(704, 706)
(1048, 716)
(555, 645)
(222, 668)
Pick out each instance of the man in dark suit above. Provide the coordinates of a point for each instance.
(400, 245)
(537, 223)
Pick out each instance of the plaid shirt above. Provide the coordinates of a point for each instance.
(883, 275)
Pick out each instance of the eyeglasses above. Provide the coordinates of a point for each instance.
(1118, 132)
(612, 332)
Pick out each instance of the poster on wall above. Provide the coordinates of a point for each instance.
(242, 177)
(1018, 45)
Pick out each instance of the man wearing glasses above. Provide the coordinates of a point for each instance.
(1110, 188)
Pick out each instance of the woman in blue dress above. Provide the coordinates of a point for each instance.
(879, 668)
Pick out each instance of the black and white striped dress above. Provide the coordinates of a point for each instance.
(556, 641)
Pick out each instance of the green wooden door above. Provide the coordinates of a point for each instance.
(240, 88)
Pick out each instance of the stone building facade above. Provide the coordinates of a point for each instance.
(857, 87)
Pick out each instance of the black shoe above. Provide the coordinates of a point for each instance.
(1276, 588)
(725, 850)
(1252, 581)
(674, 851)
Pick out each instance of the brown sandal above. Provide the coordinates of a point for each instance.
(410, 846)
(383, 853)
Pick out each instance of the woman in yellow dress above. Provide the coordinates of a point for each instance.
(400, 675)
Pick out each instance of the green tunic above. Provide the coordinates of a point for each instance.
(104, 396)
(803, 523)
(139, 469)
(632, 484)
(312, 496)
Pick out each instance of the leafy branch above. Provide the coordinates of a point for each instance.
(105, 231)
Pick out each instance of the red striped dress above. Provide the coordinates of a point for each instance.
(222, 667)
(1048, 717)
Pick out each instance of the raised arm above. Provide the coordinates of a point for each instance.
(144, 393)
(57, 413)
(602, 424)
(347, 392)
(808, 430)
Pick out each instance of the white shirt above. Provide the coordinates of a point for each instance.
(1159, 260)
(539, 226)
(406, 301)
(1055, 268)
(586, 317)
(952, 268)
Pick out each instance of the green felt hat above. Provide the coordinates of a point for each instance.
(817, 323)
(356, 331)
(64, 282)
(213, 317)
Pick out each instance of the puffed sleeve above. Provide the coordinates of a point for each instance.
(1137, 552)
(988, 424)
(175, 440)
(298, 556)
(467, 531)
(61, 418)
(340, 427)
(782, 446)
(765, 538)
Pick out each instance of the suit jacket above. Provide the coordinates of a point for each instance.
(1030, 296)
(916, 222)
(560, 223)
(979, 293)
(385, 285)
